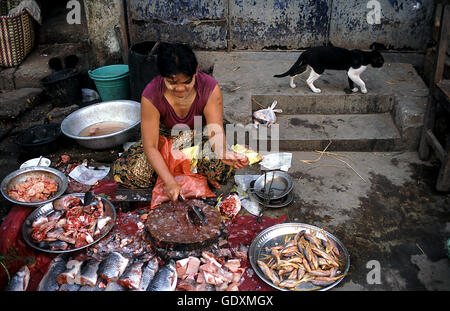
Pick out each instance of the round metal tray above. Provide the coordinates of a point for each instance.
(21, 175)
(47, 209)
(278, 182)
(274, 235)
(278, 203)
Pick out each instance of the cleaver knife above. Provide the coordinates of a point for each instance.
(195, 214)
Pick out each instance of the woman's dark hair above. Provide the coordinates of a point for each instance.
(175, 58)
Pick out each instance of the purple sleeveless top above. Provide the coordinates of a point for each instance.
(154, 92)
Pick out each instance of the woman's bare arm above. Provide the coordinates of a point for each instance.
(150, 139)
(213, 113)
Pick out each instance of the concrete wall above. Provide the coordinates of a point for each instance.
(404, 24)
(201, 22)
(286, 24)
(102, 16)
(258, 24)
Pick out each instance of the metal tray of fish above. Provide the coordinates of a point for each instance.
(47, 210)
(275, 235)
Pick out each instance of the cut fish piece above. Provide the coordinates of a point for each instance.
(112, 267)
(131, 278)
(56, 267)
(88, 275)
(114, 287)
(20, 280)
(165, 279)
(68, 276)
(148, 273)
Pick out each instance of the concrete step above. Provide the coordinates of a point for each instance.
(55, 29)
(35, 66)
(326, 104)
(348, 132)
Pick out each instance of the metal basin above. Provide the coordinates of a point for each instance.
(274, 185)
(19, 176)
(126, 111)
(47, 209)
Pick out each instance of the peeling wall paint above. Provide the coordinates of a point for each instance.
(202, 23)
(285, 24)
(265, 24)
(405, 24)
(101, 17)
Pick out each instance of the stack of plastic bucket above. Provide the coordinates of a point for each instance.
(112, 82)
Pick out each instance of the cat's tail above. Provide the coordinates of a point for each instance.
(295, 69)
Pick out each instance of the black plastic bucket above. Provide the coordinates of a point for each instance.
(142, 65)
(63, 87)
(39, 139)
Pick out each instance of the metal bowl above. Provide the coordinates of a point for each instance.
(47, 209)
(38, 139)
(278, 203)
(274, 235)
(126, 111)
(276, 184)
(20, 175)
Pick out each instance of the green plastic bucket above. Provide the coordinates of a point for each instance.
(112, 82)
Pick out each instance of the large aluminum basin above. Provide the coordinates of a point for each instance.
(126, 111)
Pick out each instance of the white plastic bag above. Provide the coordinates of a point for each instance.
(277, 161)
(266, 116)
(89, 176)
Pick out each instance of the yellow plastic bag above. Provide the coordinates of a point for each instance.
(253, 156)
(192, 154)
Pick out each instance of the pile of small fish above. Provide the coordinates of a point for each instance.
(114, 273)
(303, 258)
(71, 225)
(210, 272)
(34, 189)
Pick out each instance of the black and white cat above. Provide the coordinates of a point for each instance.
(329, 57)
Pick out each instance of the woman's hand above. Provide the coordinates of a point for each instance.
(235, 160)
(173, 190)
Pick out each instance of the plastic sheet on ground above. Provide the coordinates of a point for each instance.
(243, 230)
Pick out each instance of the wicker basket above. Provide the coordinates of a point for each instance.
(16, 34)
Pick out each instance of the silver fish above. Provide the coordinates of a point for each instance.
(72, 269)
(56, 267)
(148, 273)
(165, 279)
(58, 245)
(114, 287)
(112, 267)
(69, 288)
(131, 278)
(96, 288)
(19, 281)
(88, 274)
(88, 288)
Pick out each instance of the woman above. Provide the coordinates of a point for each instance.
(176, 96)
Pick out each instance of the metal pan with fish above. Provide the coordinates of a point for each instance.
(299, 257)
(70, 223)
